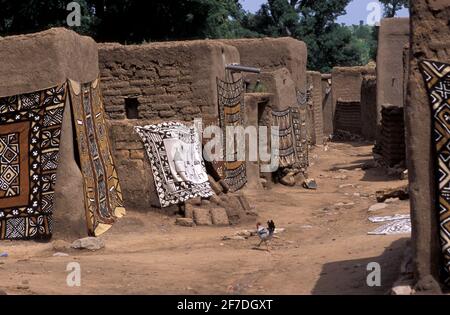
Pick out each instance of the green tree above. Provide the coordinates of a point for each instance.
(130, 21)
(17, 17)
(314, 22)
(366, 37)
(392, 6)
(135, 21)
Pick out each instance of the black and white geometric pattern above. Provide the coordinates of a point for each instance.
(437, 80)
(175, 155)
(30, 125)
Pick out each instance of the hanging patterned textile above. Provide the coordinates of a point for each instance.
(231, 109)
(283, 120)
(175, 155)
(300, 138)
(30, 129)
(437, 79)
(103, 195)
(293, 151)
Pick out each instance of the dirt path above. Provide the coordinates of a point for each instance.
(324, 250)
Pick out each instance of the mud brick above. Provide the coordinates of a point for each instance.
(202, 216)
(189, 211)
(137, 154)
(219, 216)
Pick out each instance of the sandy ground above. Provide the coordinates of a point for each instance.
(322, 251)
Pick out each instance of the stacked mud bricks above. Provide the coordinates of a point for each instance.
(393, 36)
(392, 137)
(347, 96)
(430, 39)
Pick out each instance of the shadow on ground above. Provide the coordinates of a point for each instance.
(349, 276)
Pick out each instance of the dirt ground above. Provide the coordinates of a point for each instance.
(323, 250)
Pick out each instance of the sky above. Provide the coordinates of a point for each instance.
(357, 10)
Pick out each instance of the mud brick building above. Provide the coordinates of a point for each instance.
(271, 54)
(392, 38)
(174, 80)
(36, 62)
(346, 89)
(150, 83)
(430, 39)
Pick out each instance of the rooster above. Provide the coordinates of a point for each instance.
(265, 233)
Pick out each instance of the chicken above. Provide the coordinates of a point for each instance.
(265, 234)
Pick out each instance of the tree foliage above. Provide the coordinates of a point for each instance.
(392, 6)
(329, 43)
(133, 21)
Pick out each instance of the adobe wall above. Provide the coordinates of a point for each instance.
(279, 83)
(315, 79)
(170, 81)
(369, 107)
(38, 61)
(271, 54)
(393, 36)
(42, 60)
(430, 39)
(327, 105)
(346, 83)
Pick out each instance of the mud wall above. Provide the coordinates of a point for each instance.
(167, 81)
(369, 107)
(347, 82)
(327, 105)
(430, 39)
(271, 54)
(393, 36)
(279, 83)
(315, 79)
(348, 117)
(37, 61)
(173, 80)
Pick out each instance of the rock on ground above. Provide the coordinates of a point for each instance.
(378, 206)
(89, 243)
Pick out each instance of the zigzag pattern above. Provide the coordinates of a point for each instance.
(437, 80)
